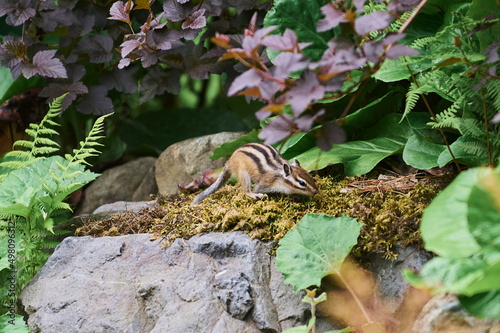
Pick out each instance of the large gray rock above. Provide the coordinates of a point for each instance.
(184, 161)
(211, 283)
(119, 184)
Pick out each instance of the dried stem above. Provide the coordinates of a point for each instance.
(353, 294)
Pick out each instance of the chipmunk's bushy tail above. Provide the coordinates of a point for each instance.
(221, 181)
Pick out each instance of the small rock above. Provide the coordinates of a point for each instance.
(122, 206)
(443, 314)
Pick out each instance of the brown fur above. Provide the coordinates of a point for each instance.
(261, 165)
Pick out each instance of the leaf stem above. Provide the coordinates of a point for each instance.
(487, 130)
(356, 299)
(435, 119)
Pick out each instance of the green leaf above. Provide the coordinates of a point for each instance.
(444, 225)
(483, 305)
(483, 212)
(442, 275)
(227, 149)
(19, 186)
(370, 114)
(461, 155)
(13, 325)
(316, 248)
(397, 70)
(358, 157)
(6, 80)
(18, 86)
(296, 145)
(421, 153)
(284, 14)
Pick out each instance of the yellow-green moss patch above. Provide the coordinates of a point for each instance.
(390, 208)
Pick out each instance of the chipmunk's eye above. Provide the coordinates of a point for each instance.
(302, 183)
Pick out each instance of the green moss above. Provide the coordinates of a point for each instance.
(391, 214)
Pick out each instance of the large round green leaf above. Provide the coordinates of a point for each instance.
(316, 248)
(444, 222)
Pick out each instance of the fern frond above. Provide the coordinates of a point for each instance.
(449, 118)
(86, 149)
(412, 97)
(493, 89)
(475, 148)
(24, 144)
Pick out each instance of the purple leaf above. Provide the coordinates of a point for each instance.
(17, 11)
(492, 52)
(373, 21)
(198, 63)
(359, 5)
(124, 62)
(12, 51)
(496, 118)
(402, 5)
(248, 79)
(287, 42)
(175, 11)
(333, 17)
(277, 129)
(50, 20)
(96, 102)
(120, 80)
(251, 43)
(98, 47)
(196, 20)
(268, 88)
(118, 12)
(340, 57)
(305, 123)
(158, 81)
(397, 51)
(129, 46)
(287, 62)
(54, 90)
(149, 59)
(331, 133)
(306, 90)
(44, 64)
(262, 114)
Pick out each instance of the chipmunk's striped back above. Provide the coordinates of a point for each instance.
(262, 165)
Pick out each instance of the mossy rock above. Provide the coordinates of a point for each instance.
(390, 209)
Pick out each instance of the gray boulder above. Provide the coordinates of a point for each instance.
(184, 161)
(219, 282)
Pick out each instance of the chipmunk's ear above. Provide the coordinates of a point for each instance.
(296, 162)
(287, 170)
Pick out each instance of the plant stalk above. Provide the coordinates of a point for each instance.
(435, 119)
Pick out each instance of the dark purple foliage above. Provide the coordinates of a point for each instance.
(278, 129)
(307, 90)
(96, 101)
(371, 22)
(331, 134)
(104, 44)
(17, 11)
(333, 17)
(44, 64)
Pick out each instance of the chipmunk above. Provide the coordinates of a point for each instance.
(262, 165)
